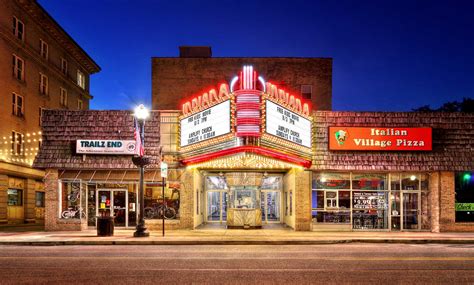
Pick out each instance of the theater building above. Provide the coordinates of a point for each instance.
(244, 152)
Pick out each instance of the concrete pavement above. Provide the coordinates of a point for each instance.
(225, 236)
(351, 263)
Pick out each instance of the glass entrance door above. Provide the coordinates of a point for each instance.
(120, 208)
(411, 213)
(216, 206)
(270, 203)
(113, 202)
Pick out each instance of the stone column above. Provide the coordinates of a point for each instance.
(434, 188)
(447, 208)
(186, 207)
(30, 200)
(51, 200)
(302, 200)
(3, 199)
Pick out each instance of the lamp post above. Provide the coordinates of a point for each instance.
(141, 114)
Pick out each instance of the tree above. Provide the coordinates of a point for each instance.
(467, 105)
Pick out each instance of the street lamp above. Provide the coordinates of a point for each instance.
(141, 113)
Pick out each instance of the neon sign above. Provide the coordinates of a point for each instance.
(290, 101)
(206, 100)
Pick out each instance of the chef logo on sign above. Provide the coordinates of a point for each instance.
(341, 137)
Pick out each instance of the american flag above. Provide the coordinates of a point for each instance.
(139, 150)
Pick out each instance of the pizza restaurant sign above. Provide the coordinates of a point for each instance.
(119, 147)
(380, 138)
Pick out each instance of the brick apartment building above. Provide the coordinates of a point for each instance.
(41, 67)
(243, 151)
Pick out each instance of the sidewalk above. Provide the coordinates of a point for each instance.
(224, 237)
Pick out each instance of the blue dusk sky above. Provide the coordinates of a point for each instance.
(387, 55)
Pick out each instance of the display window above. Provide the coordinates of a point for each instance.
(464, 196)
(15, 197)
(156, 207)
(371, 201)
(72, 196)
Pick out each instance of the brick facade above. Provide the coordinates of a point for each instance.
(37, 26)
(174, 79)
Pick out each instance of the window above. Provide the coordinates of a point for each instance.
(464, 196)
(63, 97)
(81, 80)
(80, 104)
(73, 200)
(63, 66)
(39, 199)
(307, 91)
(40, 115)
(17, 105)
(43, 87)
(18, 29)
(18, 68)
(44, 49)
(15, 197)
(17, 143)
(153, 201)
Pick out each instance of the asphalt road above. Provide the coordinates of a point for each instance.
(286, 264)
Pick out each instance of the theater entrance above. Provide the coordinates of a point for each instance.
(243, 199)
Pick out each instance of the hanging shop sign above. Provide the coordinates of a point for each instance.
(207, 124)
(117, 147)
(464, 207)
(380, 139)
(288, 125)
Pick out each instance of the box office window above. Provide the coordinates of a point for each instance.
(464, 196)
(15, 197)
(156, 207)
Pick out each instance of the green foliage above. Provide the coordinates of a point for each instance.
(467, 105)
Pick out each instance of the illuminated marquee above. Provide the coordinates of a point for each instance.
(287, 125)
(207, 124)
(248, 107)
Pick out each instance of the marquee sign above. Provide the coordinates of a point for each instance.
(265, 116)
(287, 125)
(118, 147)
(207, 124)
(380, 139)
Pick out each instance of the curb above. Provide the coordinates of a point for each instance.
(235, 242)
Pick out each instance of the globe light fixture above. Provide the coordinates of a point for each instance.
(141, 112)
(413, 178)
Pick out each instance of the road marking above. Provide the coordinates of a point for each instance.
(342, 258)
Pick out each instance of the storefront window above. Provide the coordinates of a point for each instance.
(154, 206)
(331, 181)
(377, 201)
(15, 197)
(71, 201)
(464, 198)
(395, 181)
(370, 210)
(39, 198)
(410, 182)
(369, 181)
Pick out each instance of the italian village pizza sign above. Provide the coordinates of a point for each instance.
(380, 139)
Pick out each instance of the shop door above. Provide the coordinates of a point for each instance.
(113, 202)
(216, 209)
(411, 212)
(270, 203)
